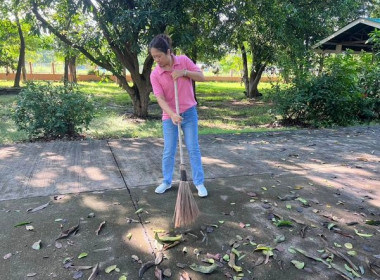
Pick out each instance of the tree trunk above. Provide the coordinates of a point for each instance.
(194, 56)
(21, 58)
(23, 71)
(120, 83)
(254, 81)
(72, 69)
(66, 70)
(140, 104)
(139, 94)
(140, 101)
(245, 69)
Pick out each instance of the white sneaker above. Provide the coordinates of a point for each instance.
(162, 188)
(202, 191)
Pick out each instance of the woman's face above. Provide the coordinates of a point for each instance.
(161, 58)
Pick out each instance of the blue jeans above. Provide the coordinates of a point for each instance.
(189, 127)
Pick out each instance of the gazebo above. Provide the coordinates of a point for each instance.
(353, 36)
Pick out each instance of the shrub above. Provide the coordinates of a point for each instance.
(92, 72)
(369, 84)
(319, 102)
(44, 110)
(339, 96)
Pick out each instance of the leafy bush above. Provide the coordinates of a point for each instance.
(92, 72)
(339, 96)
(44, 110)
(369, 84)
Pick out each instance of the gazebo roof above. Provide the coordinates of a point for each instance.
(353, 36)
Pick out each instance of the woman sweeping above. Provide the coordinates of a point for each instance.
(172, 68)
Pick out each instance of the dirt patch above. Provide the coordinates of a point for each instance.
(247, 103)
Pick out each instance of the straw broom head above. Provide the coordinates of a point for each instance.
(186, 210)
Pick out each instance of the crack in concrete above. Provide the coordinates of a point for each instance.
(135, 206)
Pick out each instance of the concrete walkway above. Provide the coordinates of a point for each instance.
(336, 170)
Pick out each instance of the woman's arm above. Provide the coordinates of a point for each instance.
(194, 75)
(165, 107)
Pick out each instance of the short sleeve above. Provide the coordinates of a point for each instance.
(190, 65)
(156, 86)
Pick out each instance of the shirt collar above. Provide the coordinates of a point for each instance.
(175, 62)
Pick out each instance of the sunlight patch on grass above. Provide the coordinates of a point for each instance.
(212, 87)
(117, 126)
(108, 126)
(8, 130)
(9, 133)
(149, 129)
(220, 124)
(6, 83)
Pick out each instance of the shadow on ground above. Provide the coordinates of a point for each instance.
(321, 185)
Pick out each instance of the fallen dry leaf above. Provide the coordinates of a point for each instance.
(78, 274)
(184, 276)
(95, 272)
(252, 194)
(29, 227)
(204, 269)
(158, 273)
(159, 258)
(259, 261)
(215, 257)
(145, 267)
(167, 272)
(37, 245)
(32, 210)
(129, 220)
(100, 227)
(303, 231)
(181, 265)
(168, 246)
(135, 258)
(81, 267)
(7, 256)
(68, 232)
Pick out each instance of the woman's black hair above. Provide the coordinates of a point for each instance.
(161, 42)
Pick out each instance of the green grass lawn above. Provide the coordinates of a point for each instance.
(223, 108)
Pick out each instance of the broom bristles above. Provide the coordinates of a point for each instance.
(186, 210)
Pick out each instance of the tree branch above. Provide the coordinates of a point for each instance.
(121, 54)
(148, 63)
(64, 39)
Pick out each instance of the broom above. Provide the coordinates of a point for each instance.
(186, 209)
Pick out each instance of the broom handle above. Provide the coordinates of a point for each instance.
(178, 125)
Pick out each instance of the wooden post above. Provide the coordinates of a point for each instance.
(53, 67)
(30, 68)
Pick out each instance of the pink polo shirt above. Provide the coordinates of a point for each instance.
(163, 85)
